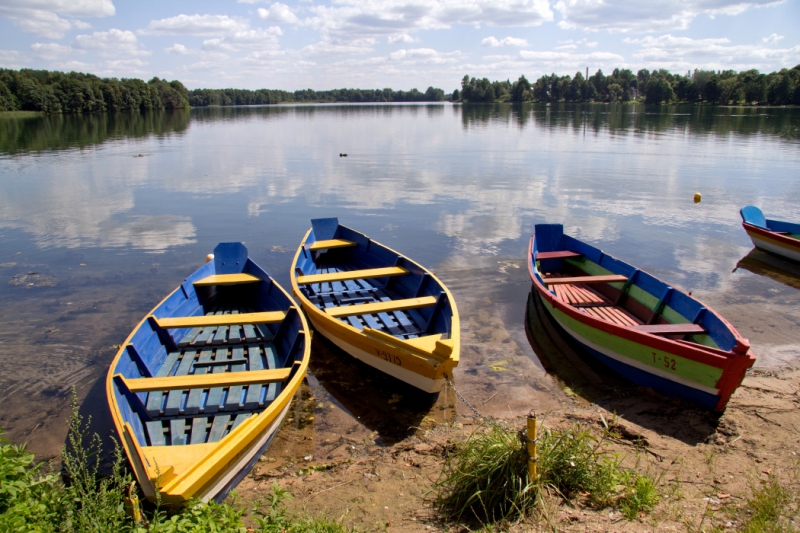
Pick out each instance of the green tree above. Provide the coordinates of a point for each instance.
(521, 91)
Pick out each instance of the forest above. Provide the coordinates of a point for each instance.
(75, 92)
(723, 87)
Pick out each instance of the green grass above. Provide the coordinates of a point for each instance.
(81, 500)
(485, 479)
(773, 508)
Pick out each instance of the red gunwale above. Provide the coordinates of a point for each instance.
(789, 242)
(733, 364)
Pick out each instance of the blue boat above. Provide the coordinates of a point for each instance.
(199, 388)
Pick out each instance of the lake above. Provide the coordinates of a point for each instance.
(101, 216)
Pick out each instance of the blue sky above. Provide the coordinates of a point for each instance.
(392, 43)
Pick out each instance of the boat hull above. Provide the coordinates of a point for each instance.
(773, 243)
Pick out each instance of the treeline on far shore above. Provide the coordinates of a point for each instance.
(723, 87)
(75, 92)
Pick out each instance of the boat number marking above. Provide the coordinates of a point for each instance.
(389, 357)
(669, 362)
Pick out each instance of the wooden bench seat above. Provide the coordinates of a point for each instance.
(562, 254)
(220, 320)
(671, 329)
(352, 274)
(205, 381)
(612, 314)
(613, 278)
(330, 244)
(578, 296)
(226, 279)
(379, 307)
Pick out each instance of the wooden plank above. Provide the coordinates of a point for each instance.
(613, 278)
(563, 254)
(224, 362)
(352, 274)
(671, 329)
(377, 307)
(330, 244)
(232, 402)
(253, 391)
(218, 427)
(205, 381)
(156, 398)
(175, 396)
(215, 393)
(220, 320)
(239, 419)
(177, 431)
(188, 338)
(155, 430)
(226, 279)
(199, 430)
(196, 395)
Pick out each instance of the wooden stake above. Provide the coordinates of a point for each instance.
(533, 453)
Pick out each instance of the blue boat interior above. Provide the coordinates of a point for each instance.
(753, 215)
(200, 415)
(361, 255)
(630, 297)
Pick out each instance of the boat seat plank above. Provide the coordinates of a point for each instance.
(226, 279)
(612, 278)
(232, 402)
(562, 254)
(205, 381)
(221, 320)
(193, 401)
(218, 427)
(155, 430)
(330, 244)
(377, 307)
(352, 274)
(199, 430)
(671, 329)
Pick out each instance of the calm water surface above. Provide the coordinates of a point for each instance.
(101, 216)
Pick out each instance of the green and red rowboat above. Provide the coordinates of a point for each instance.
(772, 236)
(651, 333)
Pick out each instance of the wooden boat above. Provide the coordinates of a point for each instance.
(651, 333)
(199, 388)
(773, 236)
(377, 305)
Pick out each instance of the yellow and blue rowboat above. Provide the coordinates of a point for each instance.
(377, 305)
(772, 236)
(199, 388)
(653, 334)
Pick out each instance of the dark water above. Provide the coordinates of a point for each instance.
(101, 216)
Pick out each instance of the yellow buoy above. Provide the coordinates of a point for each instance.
(697, 197)
(209, 258)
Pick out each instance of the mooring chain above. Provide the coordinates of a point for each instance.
(472, 408)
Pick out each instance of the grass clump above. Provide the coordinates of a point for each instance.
(486, 478)
(772, 509)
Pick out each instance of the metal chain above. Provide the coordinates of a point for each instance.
(491, 420)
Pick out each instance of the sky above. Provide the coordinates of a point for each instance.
(402, 44)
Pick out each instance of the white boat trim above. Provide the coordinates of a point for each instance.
(774, 248)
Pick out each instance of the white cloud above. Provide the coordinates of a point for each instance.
(258, 39)
(41, 17)
(324, 48)
(400, 38)
(279, 13)
(112, 68)
(113, 42)
(179, 49)
(359, 18)
(650, 16)
(209, 25)
(12, 59)
(682, 53)
(424, 56)
(772, 39)
(54, 51)
(508, 41)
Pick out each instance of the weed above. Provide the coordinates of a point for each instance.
(770, 509)
(640, 496)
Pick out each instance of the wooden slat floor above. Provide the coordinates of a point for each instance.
(196, 416)
(594, 303)
(406, 324)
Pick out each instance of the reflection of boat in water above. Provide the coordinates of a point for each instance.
(395, 410)
(773, 236)
(200, 386)
(377, 305)
(649, 332)
(777, 268)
